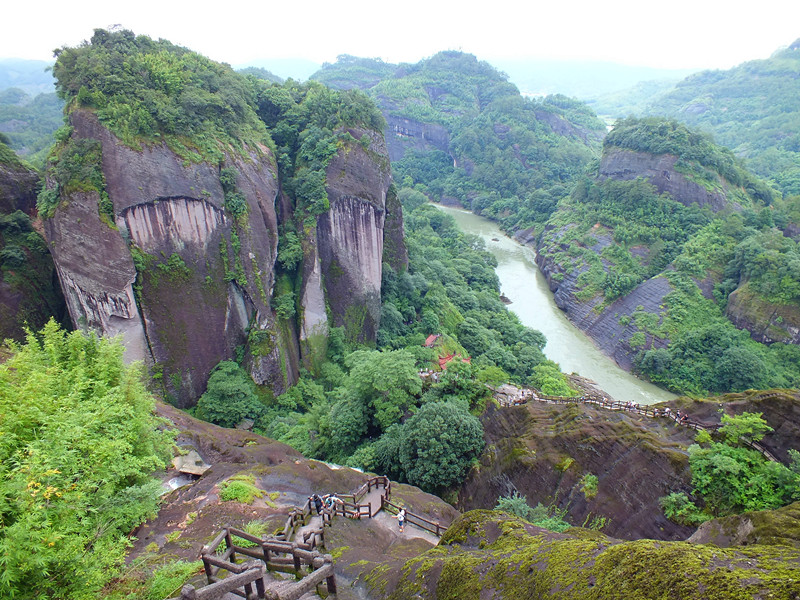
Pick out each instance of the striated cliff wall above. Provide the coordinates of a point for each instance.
(766, 322)
(403, 134)
(186, 282)
(610, 326)
(659, 170)
(350, 235)
(544, 451)
(177, 276)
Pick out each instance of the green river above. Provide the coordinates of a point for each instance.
(532, 301)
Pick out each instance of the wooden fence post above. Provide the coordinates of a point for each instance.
(331, 580)
(188, 592)
(297, 566)
(229, 543)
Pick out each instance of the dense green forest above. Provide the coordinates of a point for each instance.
(656, 236)
(510, 158)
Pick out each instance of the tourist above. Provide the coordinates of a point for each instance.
(401, 518)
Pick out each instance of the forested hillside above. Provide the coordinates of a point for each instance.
(752, 109)
(458, 129)
(676, 241)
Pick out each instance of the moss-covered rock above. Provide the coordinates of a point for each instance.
(768, 527)
(491, 555)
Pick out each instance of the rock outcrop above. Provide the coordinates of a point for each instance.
(403, 134)
(174, 275)
(769, 527)
(779, 408)
(610, 326)
(193, 514)
(659, 170)
(544, 451)
(766, 322)
(350, 235)
(185, 281)
(29, 290)
(488, 555)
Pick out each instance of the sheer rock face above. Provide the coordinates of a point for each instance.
(350, 236)
(659, 170)
(185, 283)
(29, 290)
(402, 134)
(17, 188)
(190, 315)
(766, 322)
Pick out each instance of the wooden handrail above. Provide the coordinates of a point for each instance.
(526, 393)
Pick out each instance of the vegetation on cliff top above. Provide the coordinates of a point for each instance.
(78, 445)
(661, 136)
(510, 158)
(751, 108)
(145, 90)
(616, 235)
(731, 477)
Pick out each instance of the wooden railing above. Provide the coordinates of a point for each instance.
(602, 402)
(436, 528)
(248, 580)
(279, 553)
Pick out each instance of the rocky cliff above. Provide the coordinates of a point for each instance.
(610, 326)
(544, 451)
(186, 280)
(403, 134)
(29, 290)
(350, 236)
(174, 273)
(660, 171)
(620, 252)
(766, 322)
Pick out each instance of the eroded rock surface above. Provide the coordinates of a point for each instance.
(186, 283)
(193, 514)
(659, 169)
(350, 235)
(544, 451)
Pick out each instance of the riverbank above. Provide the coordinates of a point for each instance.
(531, 300)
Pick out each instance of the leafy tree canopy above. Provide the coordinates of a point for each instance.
(438, 445)
(229, 397)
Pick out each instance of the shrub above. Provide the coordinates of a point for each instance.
(239, 488)
(230, 397)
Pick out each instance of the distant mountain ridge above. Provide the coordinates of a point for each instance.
(27, 75)
(753, 108)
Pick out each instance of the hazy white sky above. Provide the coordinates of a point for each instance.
(671, 34)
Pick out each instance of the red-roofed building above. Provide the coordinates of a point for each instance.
(431, 340)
